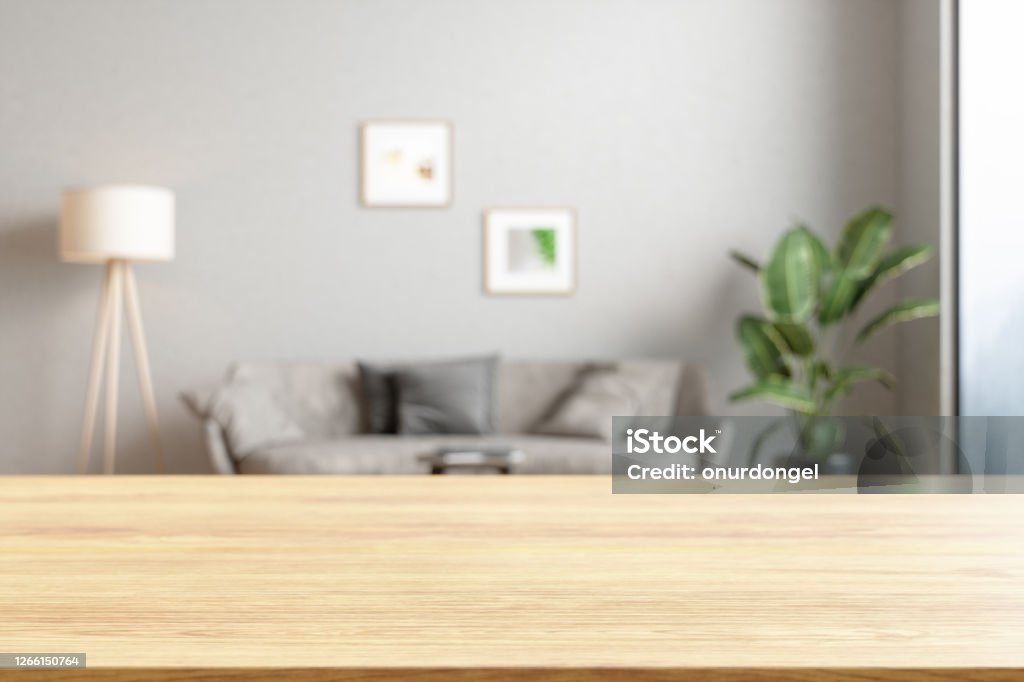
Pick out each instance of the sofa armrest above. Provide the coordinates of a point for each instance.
(216, 448)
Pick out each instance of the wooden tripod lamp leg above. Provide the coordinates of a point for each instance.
(99, 349)
(119, 291)
(113, 358)
(142, 363)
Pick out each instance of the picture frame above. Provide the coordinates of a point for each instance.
(530, 251)
(406, 163)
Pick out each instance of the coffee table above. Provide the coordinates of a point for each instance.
(470, 458)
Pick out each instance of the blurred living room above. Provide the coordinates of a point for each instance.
(411, 258)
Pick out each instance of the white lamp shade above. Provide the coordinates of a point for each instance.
(129, 222)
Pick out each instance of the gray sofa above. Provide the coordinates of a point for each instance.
(325, 401)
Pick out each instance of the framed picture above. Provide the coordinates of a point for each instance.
(530, 251)
(406, 163)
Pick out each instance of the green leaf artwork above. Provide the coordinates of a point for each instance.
(545, 238)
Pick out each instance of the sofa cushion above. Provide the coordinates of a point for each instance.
(323, 399)
(655, 383)
(453, 396)
(529, 391)
(250, 417)
(587, 409)
(383, 454)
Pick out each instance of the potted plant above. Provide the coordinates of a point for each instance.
(808, 292)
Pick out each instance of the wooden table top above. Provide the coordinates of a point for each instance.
(492, 571)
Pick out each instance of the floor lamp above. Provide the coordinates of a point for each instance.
(117, 225)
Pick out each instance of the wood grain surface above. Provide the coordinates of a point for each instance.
(484, 572)
(522, 674)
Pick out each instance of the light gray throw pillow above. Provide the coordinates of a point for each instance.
(251, 418)
(452, 396)
(586, 410)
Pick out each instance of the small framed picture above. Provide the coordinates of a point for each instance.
(530, 251)
(406, 164)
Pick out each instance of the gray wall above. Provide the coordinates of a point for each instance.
(920, 195)
(678, 129)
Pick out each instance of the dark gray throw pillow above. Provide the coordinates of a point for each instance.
(379, 397)
(453, 396)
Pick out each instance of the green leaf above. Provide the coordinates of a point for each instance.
(820, 371)
(821, 253)
(780, 391)
(862, 241)
(892, 265)
(839, 299)
(901, 312)
(797, 338)
(844, 379)
(902, 259)
(762, 346)
(789, 281)
(745, 261)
